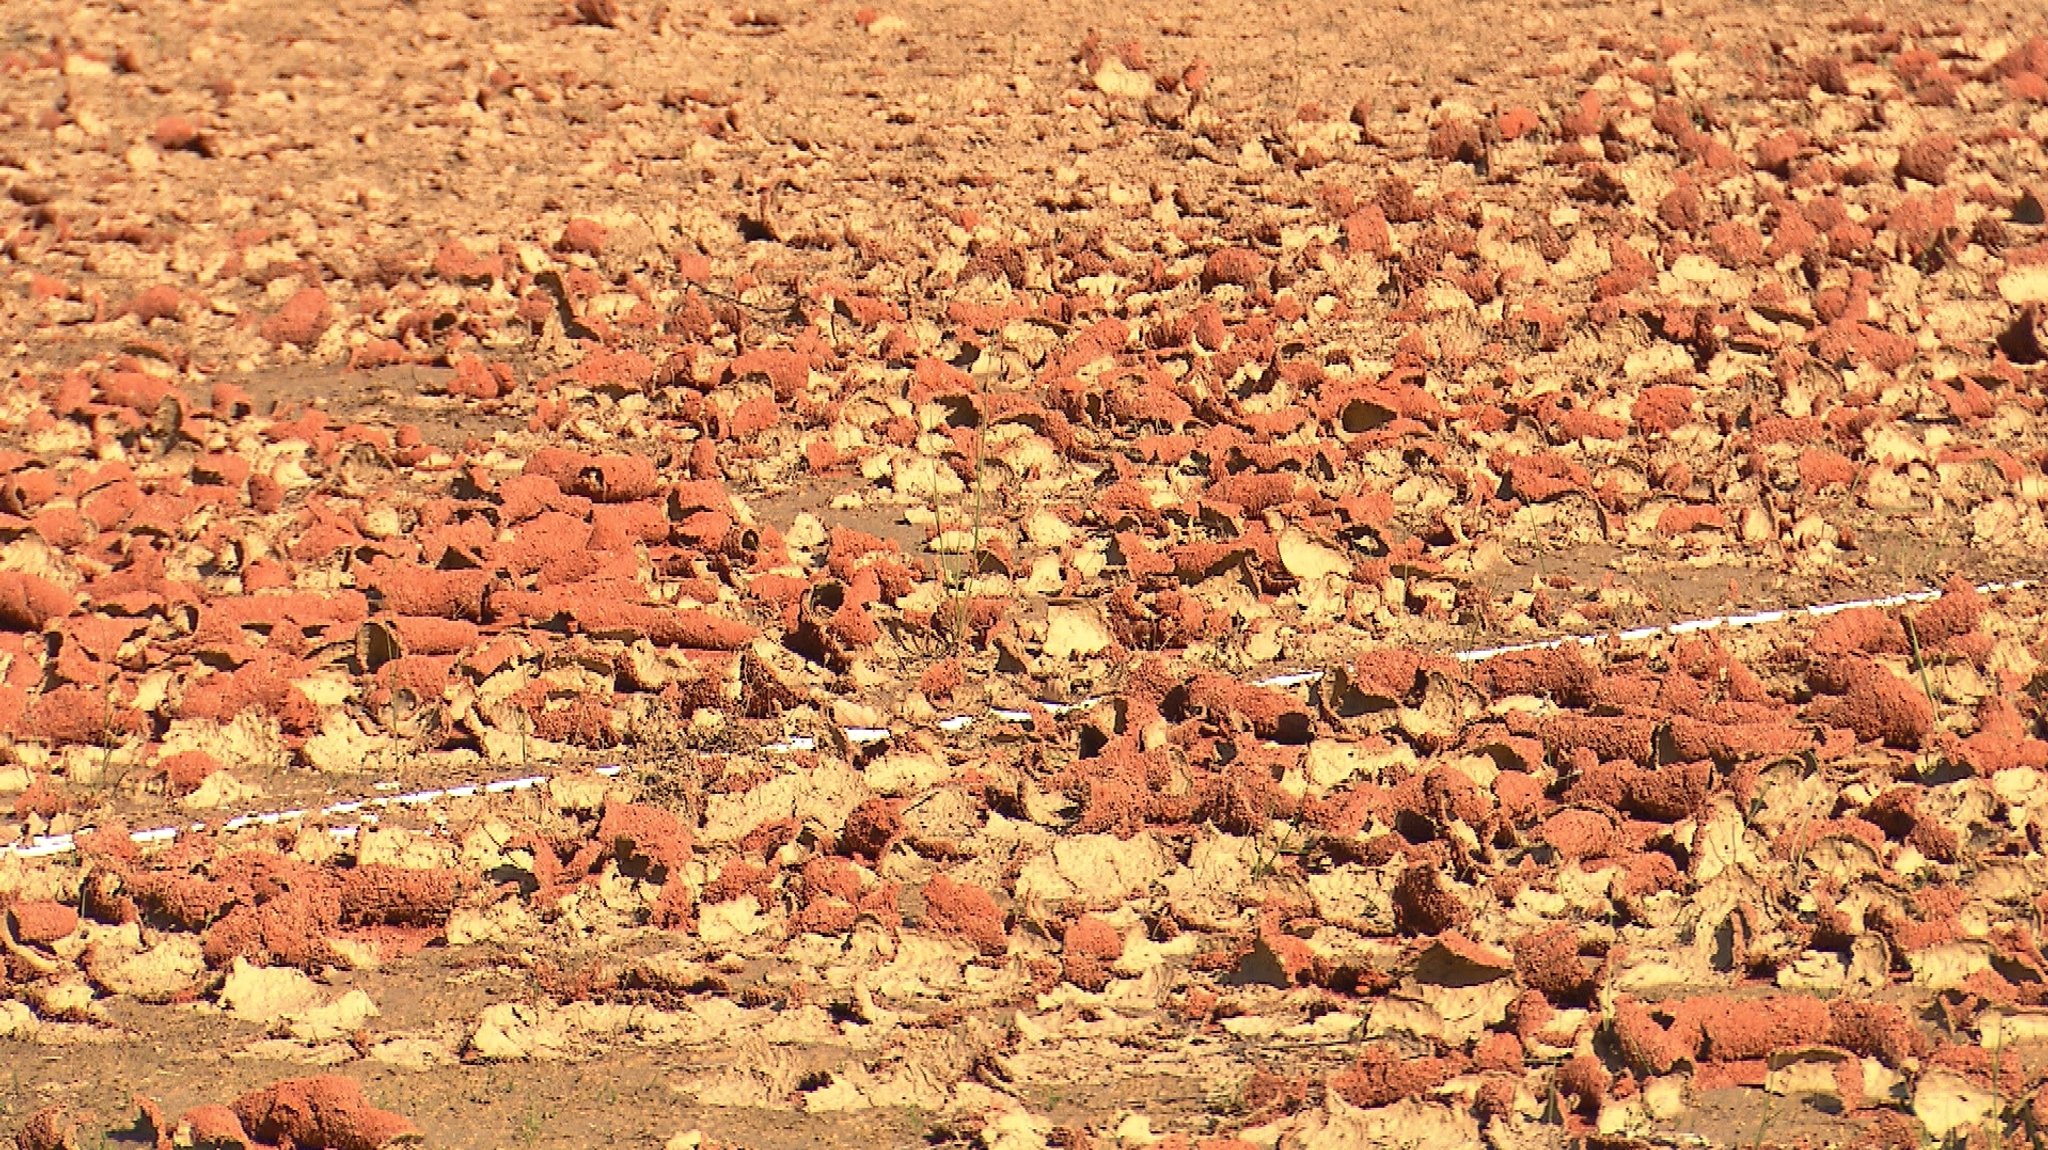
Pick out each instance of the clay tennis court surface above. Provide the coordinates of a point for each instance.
(406, 396)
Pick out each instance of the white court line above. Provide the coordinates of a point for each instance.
(47, 846)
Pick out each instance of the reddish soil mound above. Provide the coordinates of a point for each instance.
(327, 1112)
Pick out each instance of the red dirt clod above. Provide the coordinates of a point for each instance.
(1863, 630)
(1424, 904)
(1821, 469)
(1954, 615)
(1385, 1074)
(29, 602)
(646, 834)
(1736, 1029)
(1663, 408)
(161, 301)
(966, 910)
(40, 923)
(174, 133)
(582, 237)
(1498, 1052)
(1872, 702)
(215, 1127)
(665, 627)
(383, 895)
(408, 589)
(1583, 1077)
(1927, 159)
(325, 1112)
(1091, 945)
(1457, 141)
(1515, 122)
(1882, 1030)
(456, 262)
(1495, 1098)
(1562, 674)
(302, 320)
(1548, 962)
(51, 1128)
(185, 770)
(1241, 267)
(1645, 1046)
(736, 879)
(1091, 935)
(871, 828)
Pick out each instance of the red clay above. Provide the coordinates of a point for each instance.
(645, 834)
(966, 910)
(1872, 702)
(383, 895)
(41, 923)
(327, 1112)
(1733, 1029)
(1425, 904)
(31, 602)
(302, 320)
(214, 1125)
(1384, 1074)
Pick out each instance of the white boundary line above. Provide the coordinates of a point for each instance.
(47, 846)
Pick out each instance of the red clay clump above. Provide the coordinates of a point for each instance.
(1897, 813)
(635, 833)
(302, 320)
(1881, 1030)
(1497, 1051)
(1385, 1074)
(1927, 159)
(41, 922)
(684, 627)
(871, 829)
(266, 683)
(51, 1128)
(1862, 630)
(1269, 712)
(1871, 701)
(215, 1126)
(410, 589)
(1610, 737)
(456, 262)
(1693, 739)
(185, 770)
(1425, 904)
(1645, 1045)
(326, 1112)
(737, 879)
(1738, 1029)
(966, 910)
(29, 602)
(288, 931)
(383, 895)
(1549, 962)
(1663, 408)
(154, 303)
(1090, 947)
(582, 237)
(1560, 673)
(1951, 617)
(1583, 1077)
(75, 715)
(1580, 833)
(1239, 266)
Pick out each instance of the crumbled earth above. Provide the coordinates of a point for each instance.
(412, 395)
